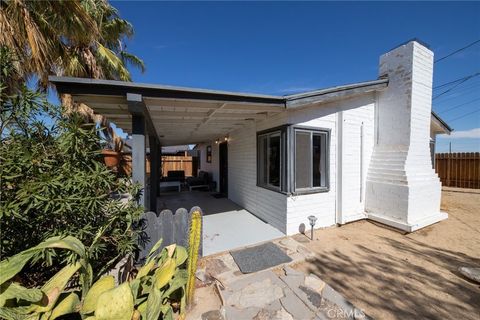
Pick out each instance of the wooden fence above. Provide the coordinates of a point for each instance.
(174, 163)
(460, 170)
(188, 164)
(171, 228)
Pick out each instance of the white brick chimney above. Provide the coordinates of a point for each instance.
(402, 188)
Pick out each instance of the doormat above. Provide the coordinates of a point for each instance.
(260, 257)
(218, 195)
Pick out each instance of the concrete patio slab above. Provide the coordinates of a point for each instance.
(226, 226)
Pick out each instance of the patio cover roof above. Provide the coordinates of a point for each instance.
(179, 115)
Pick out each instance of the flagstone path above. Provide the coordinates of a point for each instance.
(279, 293)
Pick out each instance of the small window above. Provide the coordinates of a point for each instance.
(311, 154)
(270, 164)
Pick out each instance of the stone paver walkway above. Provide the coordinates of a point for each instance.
(281, 292)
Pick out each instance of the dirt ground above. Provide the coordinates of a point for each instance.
(414, 276)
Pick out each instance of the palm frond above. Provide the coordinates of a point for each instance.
(133, 60)
(112, 63)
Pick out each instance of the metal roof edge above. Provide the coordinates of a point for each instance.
(350, 86)
(447, 128)
(72, 81)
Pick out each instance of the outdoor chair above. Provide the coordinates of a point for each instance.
(202, 181)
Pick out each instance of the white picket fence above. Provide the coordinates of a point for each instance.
(169, 226)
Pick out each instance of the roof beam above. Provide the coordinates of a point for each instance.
(136, 106)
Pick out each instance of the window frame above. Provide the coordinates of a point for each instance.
(283, 185)
(287, 159)
(312, 131)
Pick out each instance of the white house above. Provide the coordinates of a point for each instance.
(359, 151)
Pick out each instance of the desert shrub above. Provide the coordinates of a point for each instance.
(53, 183)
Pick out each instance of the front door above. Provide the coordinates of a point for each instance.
(223, 170)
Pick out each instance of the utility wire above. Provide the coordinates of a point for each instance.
(458, 106)
(454, 81)
(457, 51)
(452, 97)
(464, 80)
(463, 116)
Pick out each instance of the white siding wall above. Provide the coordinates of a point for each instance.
(287, 213)
(357, 147)
(242, 180)
(321, 205)
(211, 168)
(284, 212)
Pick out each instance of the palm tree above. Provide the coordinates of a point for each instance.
(80, 38)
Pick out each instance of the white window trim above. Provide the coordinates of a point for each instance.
(312, 131)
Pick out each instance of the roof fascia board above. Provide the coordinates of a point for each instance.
(381, 83)
(333, 94)
(442, 123)
(112, 87)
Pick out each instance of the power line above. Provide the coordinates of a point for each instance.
(452, 82)
(458, 106)
(464, 80)
(467, 114)
(453, 96)
(457, 51)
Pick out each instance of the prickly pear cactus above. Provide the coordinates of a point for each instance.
(104, 284)
(164, 273)
(193, 247)
(115, 304)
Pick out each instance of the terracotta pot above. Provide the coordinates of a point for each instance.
(111, 158)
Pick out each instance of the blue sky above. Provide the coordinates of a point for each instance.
(287, 47)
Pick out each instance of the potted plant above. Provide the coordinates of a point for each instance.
(112, 154)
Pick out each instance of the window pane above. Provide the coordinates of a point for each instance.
(262, 160)
(302, 160)
(316, 152)
(274, 161)
(323, 160)
(319, 159)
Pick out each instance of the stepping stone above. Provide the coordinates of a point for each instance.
(281, 314)
(257, 294)
(470, 273)
(295, 306)
(213, 315)
(232, 313)
(334, 297)
(314, 298)
(292, 272)
(215, 266)
(314, 283)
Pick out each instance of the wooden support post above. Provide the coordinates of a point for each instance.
(138, 154)
(154, 172)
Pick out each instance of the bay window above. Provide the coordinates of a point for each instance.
(293, 159)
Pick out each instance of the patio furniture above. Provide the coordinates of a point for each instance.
(202, 181)
(175, 175)
(170, 184)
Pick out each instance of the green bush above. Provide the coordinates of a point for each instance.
(155, 292)
(54, 183)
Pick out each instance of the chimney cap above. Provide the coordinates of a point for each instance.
(423, 43)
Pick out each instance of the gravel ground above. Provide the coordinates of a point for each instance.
(391, 275)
